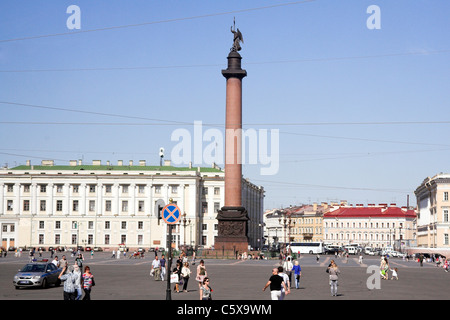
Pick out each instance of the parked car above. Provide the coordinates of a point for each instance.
(37, 274)
(88, 249)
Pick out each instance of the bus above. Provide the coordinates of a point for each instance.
(307, 247)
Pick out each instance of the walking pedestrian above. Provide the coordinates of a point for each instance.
(156, 268)
(287, 266)
(79, 261)
(286, 280)
(77, 284)
(317, 258)
(56, 262)
(297, 273)
(275, 283)
(394, 274)
(205, 290)
(68, 277)
(88, 283)
(333, 272)
(113, 254)
(177, 271)
(185, 273)
(445, 266)
(63, 263)
(162, 263)
(360, 258)
(201, 273)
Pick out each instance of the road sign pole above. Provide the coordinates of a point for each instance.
(169, 264)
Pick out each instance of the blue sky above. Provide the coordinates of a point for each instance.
(362, 114)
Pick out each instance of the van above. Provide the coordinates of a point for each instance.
(351, 250)
(367, 250)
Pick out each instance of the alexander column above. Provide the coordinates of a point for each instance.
(232, 218)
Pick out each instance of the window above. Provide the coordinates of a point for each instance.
(26, 205)
(141, 189)
(74, 224)
(125, 188)
(26, 188)
(140, 238)
(75, 205)
(91, 205)
(141, 206)
(123, 238)
(204, 227)
(59, 205)
(216, 191)
(445, 215)
(57, 239)
(59, 188)
(124, 206)
(140, 225)
(41, 239)
(446, 238)
(204, 207)
(74, 238)
(43, 188)
(175, 189)
(90, 239)
(107, 238)
(91, 225)
(205, 190)
(41, 224)
(92, 188)
(108, 205)
(216, 207)
(9, 205)
(107, 225)
(10, 188)
(57, 224)
(158, 189)
(42, 205)
(123, 225)
(108, 188)
(75, 188)
(445, 195)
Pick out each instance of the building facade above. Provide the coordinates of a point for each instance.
(433, 205)
(376, 226)
(104, 205)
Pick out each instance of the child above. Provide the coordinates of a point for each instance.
(394, 274)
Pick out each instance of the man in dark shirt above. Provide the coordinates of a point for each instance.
(275, 282)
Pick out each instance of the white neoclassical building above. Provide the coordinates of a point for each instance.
(376, 226)
(104, 205)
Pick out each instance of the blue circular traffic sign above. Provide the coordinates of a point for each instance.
(171, 213)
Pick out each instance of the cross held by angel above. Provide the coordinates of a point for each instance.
(237, 38)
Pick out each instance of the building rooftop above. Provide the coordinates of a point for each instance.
(372, 212)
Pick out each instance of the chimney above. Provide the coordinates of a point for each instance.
(120, 163)
(96, 162)
(130, 162)
(314, 206)
(48, 163)
(142, 163)
(28, 163)
(73, 163)
(167, 163)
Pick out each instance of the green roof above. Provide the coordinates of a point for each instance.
(115, 168)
